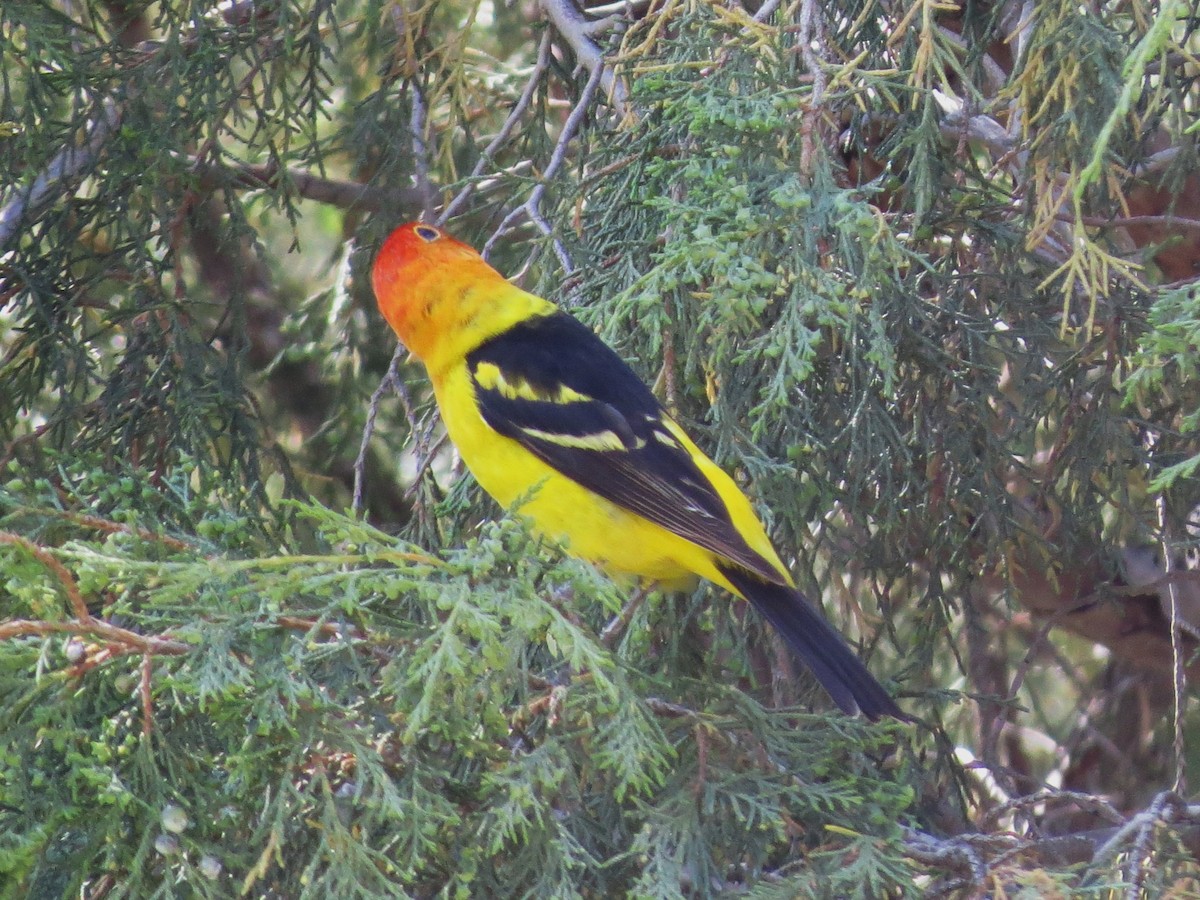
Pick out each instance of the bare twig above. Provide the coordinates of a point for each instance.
(1157, 585)
(994, 76)
(337, 630)
(577, 30)
(810, 25)
(107, 526)
(1156, 162)
(991, 742)
(620, 622)
(390, 380)
(765, 11)
(348, 195)
(421, 433)
(961, 852)
(619, 7)
(147, 695)
(1044, 797)
(7, 290)
(1167, 220)
(1178, 671)
(531, 208)
(670, 710)
(1020, 32)
(501, 138)
(981, 129)
(242, 12)
(1166, 807)
(975, 855)
(416, 125)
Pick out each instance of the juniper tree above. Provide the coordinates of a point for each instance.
(921, 276)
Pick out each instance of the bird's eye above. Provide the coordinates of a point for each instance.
(425, 233)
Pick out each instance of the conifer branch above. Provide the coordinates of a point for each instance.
(389, 382)
(109, 527)
(72, 163)
(129, 641)
(60, 572)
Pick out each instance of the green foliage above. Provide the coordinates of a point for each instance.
(340, 714)
(879, 259)
(812, 339)
(1168, 370)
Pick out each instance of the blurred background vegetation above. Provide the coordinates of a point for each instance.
(921, 274)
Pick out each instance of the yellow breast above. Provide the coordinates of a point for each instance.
(619, 541)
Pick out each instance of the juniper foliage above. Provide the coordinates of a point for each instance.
(921, 277)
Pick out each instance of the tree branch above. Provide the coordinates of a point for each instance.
(420, 149)
(390, 381)
(532, 206)
(131, 640)
(347, 195)
(64, 576)
(70, 164)
(67, 167)
(577, 31)
(531, 86)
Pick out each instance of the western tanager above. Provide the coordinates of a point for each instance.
(548, 417)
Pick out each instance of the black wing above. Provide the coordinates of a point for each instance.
(555, 387)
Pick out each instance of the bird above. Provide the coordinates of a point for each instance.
(556, 427)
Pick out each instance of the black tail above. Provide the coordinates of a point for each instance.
(817, 643)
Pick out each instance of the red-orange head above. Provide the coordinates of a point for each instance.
(421, 278)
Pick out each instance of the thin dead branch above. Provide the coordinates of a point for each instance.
(577, 31)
